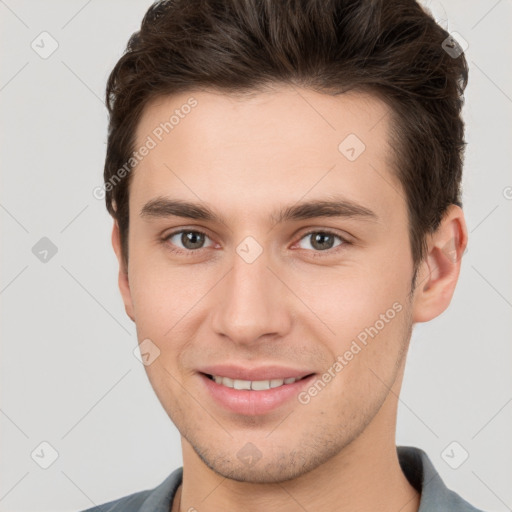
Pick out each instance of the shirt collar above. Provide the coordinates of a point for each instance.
(422, 475)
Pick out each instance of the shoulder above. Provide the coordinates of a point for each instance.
(423, 476)
(151, 500)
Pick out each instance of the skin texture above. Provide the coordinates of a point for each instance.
(245, 159)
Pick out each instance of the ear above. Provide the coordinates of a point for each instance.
(124, 285)
(438, 273)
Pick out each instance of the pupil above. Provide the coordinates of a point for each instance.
(319, 241)
(192, 239)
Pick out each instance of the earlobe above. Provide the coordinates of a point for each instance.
(439, 272)
(123, 282)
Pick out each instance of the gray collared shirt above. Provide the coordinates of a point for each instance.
(415, 464)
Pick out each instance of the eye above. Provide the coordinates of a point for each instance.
(322, 240)
(191, 240)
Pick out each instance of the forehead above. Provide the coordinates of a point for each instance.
(247, 153)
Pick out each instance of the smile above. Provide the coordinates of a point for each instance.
(254, 397)
(253, 385)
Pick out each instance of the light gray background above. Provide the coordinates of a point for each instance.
(68, 374)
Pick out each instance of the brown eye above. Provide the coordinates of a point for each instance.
(322, 240)
(190, 240)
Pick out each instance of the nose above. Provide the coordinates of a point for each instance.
(252, 303)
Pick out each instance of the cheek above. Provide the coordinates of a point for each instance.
(170, 304)
(365, 309)
(350, 299)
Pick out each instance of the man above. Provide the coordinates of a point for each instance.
(284, 179)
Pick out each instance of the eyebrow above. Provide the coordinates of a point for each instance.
(163, 207)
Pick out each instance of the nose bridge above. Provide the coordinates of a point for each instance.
(250, 300)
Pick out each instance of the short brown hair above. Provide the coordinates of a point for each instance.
(391, 48)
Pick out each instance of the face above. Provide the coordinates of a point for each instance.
(258, 279)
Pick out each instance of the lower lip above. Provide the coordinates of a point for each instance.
(243, 401)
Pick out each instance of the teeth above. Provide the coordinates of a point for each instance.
(275, 383)
(256, 385)
(242, 384)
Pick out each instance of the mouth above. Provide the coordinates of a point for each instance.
(254, 385)
(254, 397)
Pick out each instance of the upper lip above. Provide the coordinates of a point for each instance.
(266, 372)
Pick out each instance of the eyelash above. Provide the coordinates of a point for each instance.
(191, 252)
